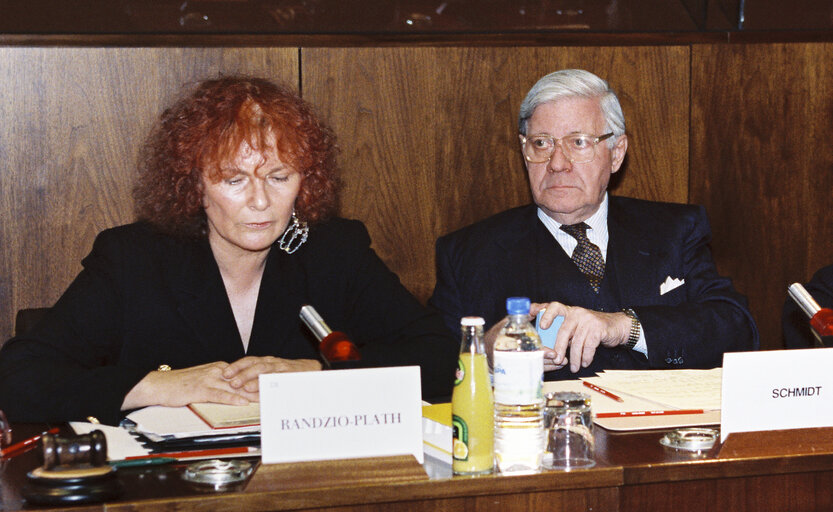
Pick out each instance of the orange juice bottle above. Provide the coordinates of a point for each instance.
(472, 405)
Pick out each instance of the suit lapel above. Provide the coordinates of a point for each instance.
(540, 266)
(203, 303)
(521, 245)
(279, 301)
(630, 253)
(560, 279)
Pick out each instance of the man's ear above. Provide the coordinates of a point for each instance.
(618, 153)
(521, 140)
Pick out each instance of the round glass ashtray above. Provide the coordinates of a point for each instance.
(217, 473)
(691, 439)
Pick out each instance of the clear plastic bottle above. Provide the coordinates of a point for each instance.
(472, 405)
(519, 400)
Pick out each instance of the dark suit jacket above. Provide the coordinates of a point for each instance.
(795, 324)
(513, 254)
(145, 299)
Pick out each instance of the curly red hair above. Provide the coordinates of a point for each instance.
(205, 128)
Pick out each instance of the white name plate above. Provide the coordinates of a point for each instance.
(776, 390)
(341, 414)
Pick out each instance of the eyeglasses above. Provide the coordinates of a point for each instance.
(578, 148)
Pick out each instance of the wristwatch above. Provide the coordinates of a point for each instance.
(633, 336)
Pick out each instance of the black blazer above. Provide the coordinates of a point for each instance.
(513, 254)
(145, 299)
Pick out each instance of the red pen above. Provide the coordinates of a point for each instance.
(25, 445)
(628, 414)
(207, 453)
(602, 391)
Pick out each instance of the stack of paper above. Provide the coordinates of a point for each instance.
(182, 422)
(675, 389)
(650, 399)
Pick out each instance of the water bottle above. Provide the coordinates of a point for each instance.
(472, 406)
(519, 400)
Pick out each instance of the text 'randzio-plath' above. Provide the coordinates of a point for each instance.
(343, 421)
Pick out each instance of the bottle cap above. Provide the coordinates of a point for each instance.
(517, 305)
(469, 321)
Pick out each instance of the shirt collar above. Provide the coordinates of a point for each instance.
(597, 233)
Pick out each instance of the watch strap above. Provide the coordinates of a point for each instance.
(633, 335)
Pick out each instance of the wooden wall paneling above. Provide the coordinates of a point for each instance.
(760, 124)
(429, 135)
(73, 119)
(427, 143)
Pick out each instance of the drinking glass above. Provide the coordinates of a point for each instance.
(568, 420)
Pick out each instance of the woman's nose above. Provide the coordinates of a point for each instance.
(258, 198)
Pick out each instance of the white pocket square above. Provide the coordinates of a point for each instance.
(669, 284)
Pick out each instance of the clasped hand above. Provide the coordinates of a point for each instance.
(582, 331)
(218, 382)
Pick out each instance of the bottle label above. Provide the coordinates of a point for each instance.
(461, 372)
(460, 438)
(519, 377)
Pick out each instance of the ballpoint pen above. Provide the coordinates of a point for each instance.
(602, 391)
(631, 414)
(25, 445)
(201, 454)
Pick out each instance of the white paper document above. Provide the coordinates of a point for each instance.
(650, 399)
(678, 389)
(777, 390)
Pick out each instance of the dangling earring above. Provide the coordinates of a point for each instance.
(294, 236)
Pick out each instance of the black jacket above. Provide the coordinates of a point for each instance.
(513, 254)
(145, 299)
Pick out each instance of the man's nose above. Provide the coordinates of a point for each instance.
(558, 161)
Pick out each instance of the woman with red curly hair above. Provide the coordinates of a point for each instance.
(235, 201)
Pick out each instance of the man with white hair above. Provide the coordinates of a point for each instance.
(634, 281)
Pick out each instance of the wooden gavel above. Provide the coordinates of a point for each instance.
(85, 449)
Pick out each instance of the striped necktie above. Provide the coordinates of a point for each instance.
(587, 255)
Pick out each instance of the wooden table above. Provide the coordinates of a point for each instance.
(756, 472)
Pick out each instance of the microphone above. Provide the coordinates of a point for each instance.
(821, 319)
(333, 345)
